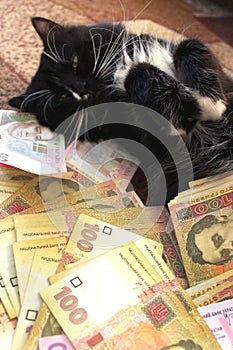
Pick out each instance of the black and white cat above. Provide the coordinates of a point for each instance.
(82, 66)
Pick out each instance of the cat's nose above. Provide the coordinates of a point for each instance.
(80, 87)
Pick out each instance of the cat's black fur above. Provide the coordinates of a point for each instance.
(82, 66)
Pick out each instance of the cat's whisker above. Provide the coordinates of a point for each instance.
(123, 11)
(86, 121)
(48, 102)
(71, 124)
(49, 46)
(63, 52)
(54, 53)
(50, 56)
(55, 49)
(112, 55)
(110, 49)
(143, 9)
(33, 96)
(109, 59)
(78, 124)
(103, 58)
(96, 56)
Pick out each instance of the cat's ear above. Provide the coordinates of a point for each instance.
(44, 26)
(17, 101)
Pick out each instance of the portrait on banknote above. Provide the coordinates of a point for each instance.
(26, 130)
(210, 240)
(146, 336)
(29, 146)
(205, 237)
(183, 345)
(50, 188)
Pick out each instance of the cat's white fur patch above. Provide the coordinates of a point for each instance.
(161, 57)
(177, 131)
(210, 110)
(154, 54)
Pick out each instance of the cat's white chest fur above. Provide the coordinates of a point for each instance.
(152, 53)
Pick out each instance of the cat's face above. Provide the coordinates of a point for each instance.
(75, 69)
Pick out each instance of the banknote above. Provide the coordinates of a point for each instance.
(7, 188)
(210, 179)
(223, 309)
(4, 297)
(61, 222)
(213, 290)
(132, 214)
(55, 191)
(73, 256)
(90, 322)
(103, 161)
(7, 329)
(203, 225)
(159, 271)
(78, 195)
(29, 146)
(23, 254)
(57, 223)
(44, 264)
(151, 222)
(2, 165)
(81, 252)
(221, 330)
(201, 186)
(92, 237)
(220, 191)
(7, 266)
(220, 293)
(52, 342)
(7, 174)
(37, 192)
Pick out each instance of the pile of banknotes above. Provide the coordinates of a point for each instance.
(85, 265)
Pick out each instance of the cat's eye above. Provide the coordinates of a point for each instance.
(74, 61)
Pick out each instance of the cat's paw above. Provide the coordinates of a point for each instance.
(210, 109)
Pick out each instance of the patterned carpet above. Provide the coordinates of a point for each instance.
(20, 46)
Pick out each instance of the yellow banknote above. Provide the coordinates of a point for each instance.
(202, 288)
(92, 237)
(8, 174)
(102, 197)
(213, 290)
(152, 251)
(148, 221)
(38, 191)
(90, 316)
(211, 179)
(219, 293)
(102, 161)
(7, 266)
(7, 188)
(24, 252)
(53, 224)
(7, 328)
(44, 264)
(4, 297)
(153, 223)
(203, 228)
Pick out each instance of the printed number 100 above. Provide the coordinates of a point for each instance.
(69, 303)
